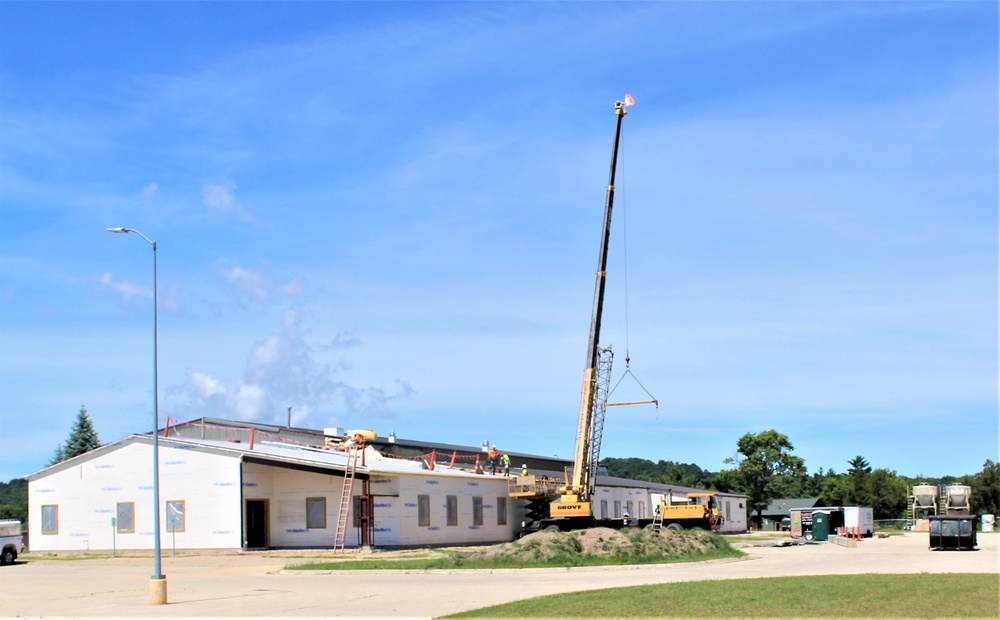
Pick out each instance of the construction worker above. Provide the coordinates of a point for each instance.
(524, 470)
(493, 460)
(505, 461)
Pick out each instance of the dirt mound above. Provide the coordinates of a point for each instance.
(601, 542)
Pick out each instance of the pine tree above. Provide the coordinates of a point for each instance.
(82, 439)
(58, 456)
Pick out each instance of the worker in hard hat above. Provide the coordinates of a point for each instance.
(524, 470)
(493, 460)
(505, 462)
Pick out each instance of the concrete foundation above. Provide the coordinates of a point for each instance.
(843, 541)
(158, 591)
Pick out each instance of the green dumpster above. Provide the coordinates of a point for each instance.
(821, 526)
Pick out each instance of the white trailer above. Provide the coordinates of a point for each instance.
(859, 519)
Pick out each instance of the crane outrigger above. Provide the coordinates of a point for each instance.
(568, 506)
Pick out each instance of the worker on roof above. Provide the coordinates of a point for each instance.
(505, 462)
(493, 460)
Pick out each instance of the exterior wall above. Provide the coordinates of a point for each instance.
(87, 493)
(438, 532)
(286, 491)
(387, 505)
(394, 505)
(642, 502)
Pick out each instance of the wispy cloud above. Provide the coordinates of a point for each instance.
(221, 198)
(149, 192)
(260, 288)
(283, 370)
(126, 289)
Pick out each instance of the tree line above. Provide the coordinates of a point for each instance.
(765, 469)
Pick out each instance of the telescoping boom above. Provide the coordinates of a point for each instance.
(574, 498)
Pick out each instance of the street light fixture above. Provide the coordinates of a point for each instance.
(158, 582)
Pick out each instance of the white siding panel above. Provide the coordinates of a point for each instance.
(287, 520)
(464, 488)
(642, 503)
(87, 495)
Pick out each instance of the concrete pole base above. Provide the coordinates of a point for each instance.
(158, 591)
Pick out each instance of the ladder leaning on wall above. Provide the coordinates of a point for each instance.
(346, 494)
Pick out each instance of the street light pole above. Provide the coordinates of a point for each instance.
(158, 582)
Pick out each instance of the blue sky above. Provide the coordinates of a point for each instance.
(387, 215)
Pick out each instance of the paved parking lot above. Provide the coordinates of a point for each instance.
(254, 585)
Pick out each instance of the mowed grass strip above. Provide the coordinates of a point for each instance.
(922, 595)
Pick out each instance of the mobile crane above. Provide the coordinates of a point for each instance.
(568, 506)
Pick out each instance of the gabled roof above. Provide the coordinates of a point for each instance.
(780, 507)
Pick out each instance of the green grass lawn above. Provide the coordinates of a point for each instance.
(843, 596)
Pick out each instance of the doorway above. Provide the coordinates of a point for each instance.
(256, 523)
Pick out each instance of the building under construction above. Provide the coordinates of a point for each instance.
(231, 485)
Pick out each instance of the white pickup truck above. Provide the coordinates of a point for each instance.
(11, 541)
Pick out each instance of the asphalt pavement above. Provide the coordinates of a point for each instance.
(253, 585)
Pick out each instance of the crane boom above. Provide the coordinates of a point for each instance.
(574, 498)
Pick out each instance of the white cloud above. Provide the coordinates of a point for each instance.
(127, 290)
(250, 402)
(204, 385)
(282, 370)
(149, 192)
(219, 196)
(259, 287)
(247, 281)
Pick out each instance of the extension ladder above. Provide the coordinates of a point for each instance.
(346, 494)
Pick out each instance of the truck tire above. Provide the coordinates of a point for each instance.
(675, 527)
(8, 556)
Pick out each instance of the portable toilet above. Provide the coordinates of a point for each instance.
(821, 526)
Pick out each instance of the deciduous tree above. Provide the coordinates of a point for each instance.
(888, 494)
(985, 498)
(764, 466)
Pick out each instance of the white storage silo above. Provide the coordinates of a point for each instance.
(957, 496)
(925, 497)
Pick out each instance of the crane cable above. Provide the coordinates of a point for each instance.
(628, 359)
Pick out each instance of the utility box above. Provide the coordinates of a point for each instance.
(953, 531)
